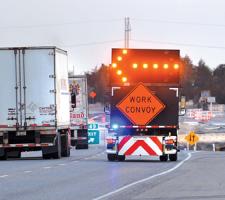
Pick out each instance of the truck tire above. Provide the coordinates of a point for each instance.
(46, 156)
(3, 155)
(111, 157)
(65, 148)
(121, 158)
(53, 151)
(19, 154)
(173, 157)
(163, 158)
(57, 153)
(82, 146)
(14, 154)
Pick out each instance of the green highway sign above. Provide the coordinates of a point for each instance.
(92, 126)
(93, 136)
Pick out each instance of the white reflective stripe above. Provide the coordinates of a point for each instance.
(110, 151)
(172, 151)
(153, 145)
(170, 137)
(135, 126)
(126, 146)
(161, 126)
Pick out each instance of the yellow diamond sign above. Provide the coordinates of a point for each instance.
(192, 138)
(141, 106)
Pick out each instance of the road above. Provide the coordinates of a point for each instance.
(88, 175)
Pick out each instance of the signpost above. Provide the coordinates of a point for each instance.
(141, 106)
(192, 139)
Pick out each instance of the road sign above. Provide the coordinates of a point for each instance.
(211, 99)
(192, 138)
(93, 136)
(92, 126)
(141, 106)
(92, 94)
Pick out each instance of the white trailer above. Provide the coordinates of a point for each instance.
(34, 102)
(79, 111)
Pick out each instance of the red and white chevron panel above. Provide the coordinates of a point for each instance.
(140, 145)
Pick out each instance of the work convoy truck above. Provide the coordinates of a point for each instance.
(144, 104)
(79, 111)
(34, 102)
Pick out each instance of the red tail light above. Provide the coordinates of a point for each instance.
(111, 141)
(171, 141)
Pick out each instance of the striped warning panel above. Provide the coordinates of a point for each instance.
(140, 145)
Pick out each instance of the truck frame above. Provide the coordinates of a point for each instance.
(34, 102)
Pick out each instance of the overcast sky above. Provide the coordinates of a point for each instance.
(88, 29)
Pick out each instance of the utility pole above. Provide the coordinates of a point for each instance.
(127, 32)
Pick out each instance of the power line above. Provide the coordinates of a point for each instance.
(180, 44)
(92, 43)
(60, 24)
(178, 22)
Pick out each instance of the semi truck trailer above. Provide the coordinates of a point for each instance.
(34, 102)
(79, 111)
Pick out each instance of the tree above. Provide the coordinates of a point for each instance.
(188, 77)
(98, 81)
(218, 83)
(203, 76)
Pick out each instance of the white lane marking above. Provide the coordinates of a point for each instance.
(143, 180)
(47, 167)
(62, 164)
(4, 176)
(27, 171)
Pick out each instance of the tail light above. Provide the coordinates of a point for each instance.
(111, 140)
(170, 141)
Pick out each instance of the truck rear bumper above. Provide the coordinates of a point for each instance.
(142, 145)
(26, 145)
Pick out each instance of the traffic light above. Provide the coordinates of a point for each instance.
(154, 66)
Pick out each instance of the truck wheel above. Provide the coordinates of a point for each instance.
(163, 158)
(121, 158)
(173, 157)
(111, 157)
(82, 146)
(85, 146)
(46, 156)
(57, 153)
(4, 155)
(65, 146)
(14, 154)
(19, 154)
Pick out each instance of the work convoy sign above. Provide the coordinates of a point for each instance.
(141, 106)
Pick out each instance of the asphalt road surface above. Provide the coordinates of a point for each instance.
(88, 175)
